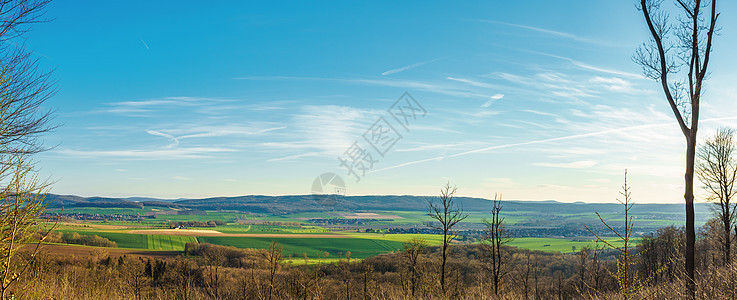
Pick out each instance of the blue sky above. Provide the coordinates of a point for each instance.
(536, 100)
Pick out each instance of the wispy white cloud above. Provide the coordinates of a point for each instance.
(444, 147)
(295, 156)
(434, 87)
(473, 82)
(514, 78)
(271, 105)
(147, 106)
(409, 67)
(572, 87)
(210, 131)
(571, 165)
(527, 143)
(174, 140)
(618, 85)
(322, 130)
(605, 70)
(483, 113)
(483, 85)
(549, 32)
(439, 128)
(163, 101)
(537, 112)
(491, 100)
(225, 130)
(155, 154)
(588, 67)
(573, 151)
(438, 87)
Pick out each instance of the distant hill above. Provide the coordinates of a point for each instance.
(144, 199)
(287, 204)
(76, 201)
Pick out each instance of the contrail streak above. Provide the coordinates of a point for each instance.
(543, 141)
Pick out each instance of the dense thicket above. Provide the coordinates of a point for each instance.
(79, 239)
(206, 271)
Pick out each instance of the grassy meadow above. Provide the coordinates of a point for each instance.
(313, 240)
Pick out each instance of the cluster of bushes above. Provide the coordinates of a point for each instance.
(207, 271)
(226, 256)
(211, 223)
(277, 223)
(79, 239)
(216, 272)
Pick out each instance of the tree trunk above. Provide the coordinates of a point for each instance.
(727, 238)
(689, 197)
(442, 267)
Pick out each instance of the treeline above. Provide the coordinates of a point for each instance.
(216, 272)
(268, 223)
(661, 264)
(78, 239)
(111, 204)
(225, 256)
(211, 223)
(207, 271)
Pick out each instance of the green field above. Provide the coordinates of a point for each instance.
(430, 239)
(168, 242)
(360, 244)
(359, 247)
(563, 245)
(141, 241)
(269, 229)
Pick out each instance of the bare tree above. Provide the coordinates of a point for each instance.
(134, 273)
(716, 168)
(20, 205)
(583, 257)
(23, 88)
(367, 274)
(523, 272)
(596, 268)
(214, 260)
(623, 275)
(448, 215)
(185, 274)
(675, 49)
(273, 258)
(22, 91)
(536, 276)
(495, 237)
(345, 266)
(411, 254)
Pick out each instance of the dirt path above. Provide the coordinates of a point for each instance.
(200, 232)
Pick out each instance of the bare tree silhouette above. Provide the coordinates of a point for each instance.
(627, 283)
(687, 43)
(448, 215)
(496, 236)
(716, 168)
(23, 89)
